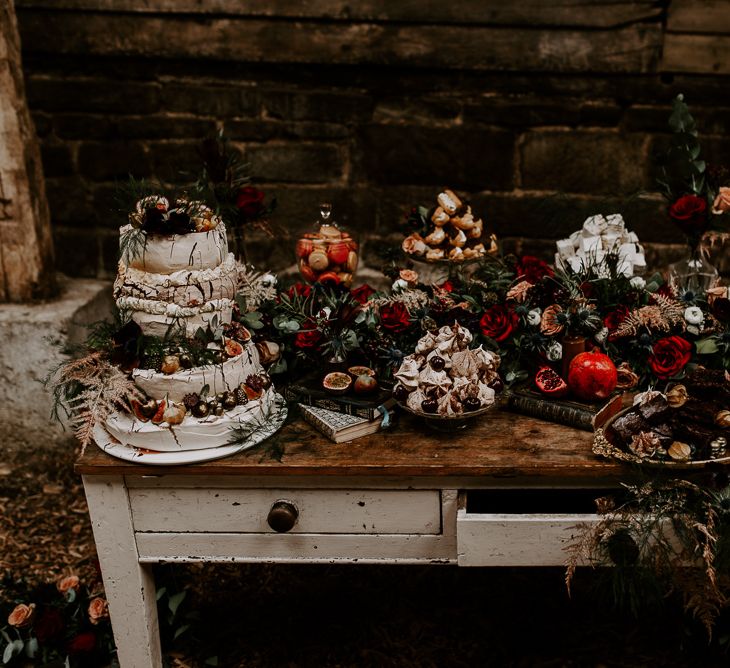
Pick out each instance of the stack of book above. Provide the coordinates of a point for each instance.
(341, 418)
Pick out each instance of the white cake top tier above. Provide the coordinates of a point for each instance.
(165, 254)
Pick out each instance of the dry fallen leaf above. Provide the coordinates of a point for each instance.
(51, 488)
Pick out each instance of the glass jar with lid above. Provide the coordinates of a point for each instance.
(329, 254)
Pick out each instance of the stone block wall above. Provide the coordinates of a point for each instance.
(545, 112)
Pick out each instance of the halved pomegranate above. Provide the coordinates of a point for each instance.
(550, 383)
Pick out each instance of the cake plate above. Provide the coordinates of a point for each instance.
(607, 443)
(274, 421)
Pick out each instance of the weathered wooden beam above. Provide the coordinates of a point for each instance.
(26, 245)
(587, 13)
(698, 54)
(703, 16)
(631, 49)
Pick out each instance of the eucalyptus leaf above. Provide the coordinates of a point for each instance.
(31, 648)
(176, 600)
(211, 661)
(180, 631)
(706, 347)
(160, 593)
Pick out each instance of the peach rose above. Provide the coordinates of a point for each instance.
(68, 583)
(718, 292)
(722, 201)
(414, 245)
(98, 610)
(21, 616)
(519, 291)
(409, 276)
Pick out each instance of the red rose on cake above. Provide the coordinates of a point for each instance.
(250, 201)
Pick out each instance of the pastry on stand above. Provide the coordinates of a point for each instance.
(446, 235)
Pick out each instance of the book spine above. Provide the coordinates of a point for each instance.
(319, 425)
(571, 416)
(294, 395)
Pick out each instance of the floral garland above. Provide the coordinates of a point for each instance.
(519, 307)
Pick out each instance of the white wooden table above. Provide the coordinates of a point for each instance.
(508, 491)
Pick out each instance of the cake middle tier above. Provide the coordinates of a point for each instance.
(161, 318)
(186, 287)
(217, 377)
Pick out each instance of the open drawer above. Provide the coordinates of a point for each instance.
(521, 527)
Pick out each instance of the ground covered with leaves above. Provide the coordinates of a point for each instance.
(341, 616)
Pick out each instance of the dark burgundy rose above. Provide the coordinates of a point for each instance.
(362, 294)
(669, 356)
(395, 317)
(689, 213)
(82, 643)
(613, 319)
(299, 290)
(49, 625)
(532, 268)
(498, 322)
(721, 309)
(250, 201)
(306, 339)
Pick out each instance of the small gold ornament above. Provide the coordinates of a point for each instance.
(677, 396)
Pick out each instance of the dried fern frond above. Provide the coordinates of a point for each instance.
(254, 288)
(88, 390)
(411, 299)
(662, 315)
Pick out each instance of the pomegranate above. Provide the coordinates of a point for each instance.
(550, 383)
(592, 376)
(365, 384)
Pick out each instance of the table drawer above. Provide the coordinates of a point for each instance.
(325, 511)
(499, 531)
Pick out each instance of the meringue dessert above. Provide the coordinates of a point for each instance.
(444, 377)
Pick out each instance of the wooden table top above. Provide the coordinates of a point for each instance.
(500, 444)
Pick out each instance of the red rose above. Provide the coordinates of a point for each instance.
(49, 625)
(613, 319)
(306, 339)
(532, 269)
(83, 642)
(446, 286)
(669, 356)
(395, 317)
(250, 201)
(690, 214)
(362, 294)
(498, 322)
(299, 290)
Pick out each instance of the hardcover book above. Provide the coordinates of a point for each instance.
(308, 392)
(571, 412)
(341, 427)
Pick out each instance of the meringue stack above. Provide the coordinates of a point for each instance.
(588, 247)
(445, 370)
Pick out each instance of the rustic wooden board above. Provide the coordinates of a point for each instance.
(634, 48)
(320, 511)
(587, 13)
(698, 54)
(705, 16)
(500, 444)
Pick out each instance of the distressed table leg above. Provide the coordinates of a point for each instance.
(129, 585)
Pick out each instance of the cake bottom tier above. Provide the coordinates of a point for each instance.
(193, 433)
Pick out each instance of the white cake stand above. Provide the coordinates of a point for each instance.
(113, 447)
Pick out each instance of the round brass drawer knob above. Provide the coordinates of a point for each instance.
(282, 516)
